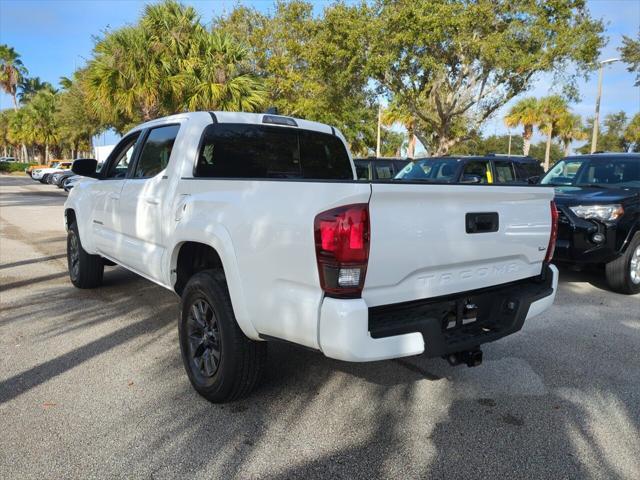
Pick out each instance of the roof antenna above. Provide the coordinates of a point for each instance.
(272, 111)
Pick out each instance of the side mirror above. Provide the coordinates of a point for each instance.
(533, 180)
(471, 179)
(85, 167)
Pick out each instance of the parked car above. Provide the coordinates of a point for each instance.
(42, 174)
(70, 182)
(52, 164)
(598, 199)
(259, 224)
(8, 159)
(57, 178)
(499, 169)
(373, 168)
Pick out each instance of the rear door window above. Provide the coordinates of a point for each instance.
(362, 169)
(505, 172)
(262, 151)
(156, 151)
(477, 169)
(383, 169)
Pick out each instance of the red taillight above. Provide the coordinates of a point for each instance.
(554, 232)
(342, 249)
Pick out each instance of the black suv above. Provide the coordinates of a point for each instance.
(598, 199)
(496, 169)
(373, 168)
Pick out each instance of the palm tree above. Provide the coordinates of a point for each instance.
(11, 72)
(396, 113)
(570, 128)
(216, 77)
(527, 114)
(123, 79)
(30, 86)
(168, 63)
(551, 110)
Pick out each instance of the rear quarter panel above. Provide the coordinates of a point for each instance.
(264, 233)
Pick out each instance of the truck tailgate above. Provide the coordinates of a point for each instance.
(423, 247)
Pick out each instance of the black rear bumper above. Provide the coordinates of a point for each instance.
(500, 311)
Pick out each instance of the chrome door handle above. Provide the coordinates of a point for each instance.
(114, 196)
(151, 201)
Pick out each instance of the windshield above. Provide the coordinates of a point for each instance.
(600, 172)
(441, 170)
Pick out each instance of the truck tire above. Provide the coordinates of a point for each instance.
(221, 362)
(85, 271)
(623, 274)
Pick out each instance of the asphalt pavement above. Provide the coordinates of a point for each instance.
(92, 386)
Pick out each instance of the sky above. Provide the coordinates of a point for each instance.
(54, 37)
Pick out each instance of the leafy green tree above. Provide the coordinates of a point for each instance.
(76, 122)
(632, 133)
(630, 52)
(525, 113)
(451, 60)
(313, 66)
(612, 134)
(539, 150)
(398, 114)
(391, 143)
(5, 142)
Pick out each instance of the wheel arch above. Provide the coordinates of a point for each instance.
(190, 255)
(69, 217)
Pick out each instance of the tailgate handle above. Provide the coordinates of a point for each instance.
(483, 222)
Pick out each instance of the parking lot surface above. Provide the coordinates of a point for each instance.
(92, 386)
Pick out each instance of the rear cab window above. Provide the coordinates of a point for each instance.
(252, 151)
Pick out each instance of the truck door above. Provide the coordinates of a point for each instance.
(142, 202)
(105, 221)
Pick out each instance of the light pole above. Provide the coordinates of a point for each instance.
(596, 119)
(378, 135)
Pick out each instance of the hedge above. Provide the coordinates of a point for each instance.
(8, 167)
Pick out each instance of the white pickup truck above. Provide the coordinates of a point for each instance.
(258, 224)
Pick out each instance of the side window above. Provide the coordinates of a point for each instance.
(475, 170)
(156, 151)
(384, 169)
(119, 161)
(362, 170)
(504, 172)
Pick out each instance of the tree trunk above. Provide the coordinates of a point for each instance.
(567, 146)
(547, 152)
(526, 139)
(46, 153)
(411, 146)
(444, 145)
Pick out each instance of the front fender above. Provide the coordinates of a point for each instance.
(82, 210)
